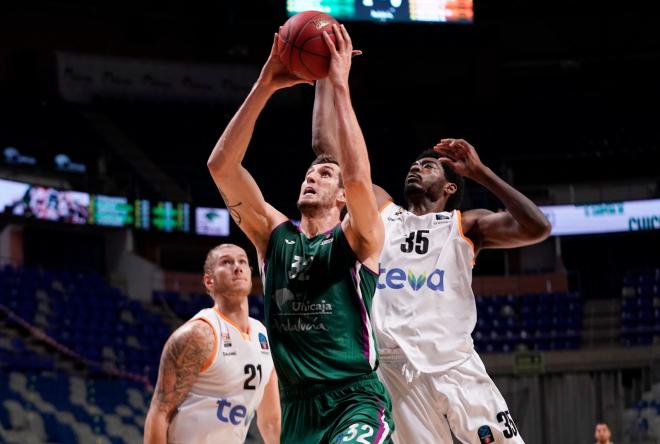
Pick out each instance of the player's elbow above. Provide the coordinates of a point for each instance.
(155, 427)
(317, 142)
(215, 165)
(547, 228)
(221, 160)
(223, 169)
(323, 144)
(270, 427)
(539, 232)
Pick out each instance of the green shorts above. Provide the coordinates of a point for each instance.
(355, 411)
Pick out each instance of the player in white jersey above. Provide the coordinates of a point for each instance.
(424, 309)
(216, 370)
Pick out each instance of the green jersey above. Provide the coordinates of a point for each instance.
(317, 298)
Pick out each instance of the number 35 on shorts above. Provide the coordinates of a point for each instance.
(358, 433)
(509, 427)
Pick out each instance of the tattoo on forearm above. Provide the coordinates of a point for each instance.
(183, 357)
(232, 209)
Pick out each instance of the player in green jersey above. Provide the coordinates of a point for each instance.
(319, 279)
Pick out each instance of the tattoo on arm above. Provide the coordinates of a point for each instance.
(232, 208)
(183, 356)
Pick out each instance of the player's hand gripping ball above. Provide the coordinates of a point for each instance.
(301, 46)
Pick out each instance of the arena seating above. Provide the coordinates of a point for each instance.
(63, 392)
(640, 307)
(641, 420)
(80, 311)
(528, 322)
(53, 407)
(186, 306)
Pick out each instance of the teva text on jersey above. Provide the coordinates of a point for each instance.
(235, 413)
(396, 278)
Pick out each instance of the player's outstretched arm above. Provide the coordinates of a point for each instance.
(324, 129)
(521, 224)
(324, 120)
(269, 415)
(184, 355)
(237, 187)
(363, 227)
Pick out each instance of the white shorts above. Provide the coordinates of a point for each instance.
(463, 400)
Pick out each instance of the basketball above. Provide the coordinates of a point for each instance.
(301, 46)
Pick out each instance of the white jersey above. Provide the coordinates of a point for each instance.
(424, 305)
(221, 403)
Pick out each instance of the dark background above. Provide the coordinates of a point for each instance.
(550, 93)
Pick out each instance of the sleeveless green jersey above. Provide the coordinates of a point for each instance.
(317, 299)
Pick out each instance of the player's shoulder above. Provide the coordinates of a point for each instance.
(258, 330)
(391, 212)
(204, 313)
(193, 340)
(257, 325)
(282, 229)
(198, 328)
(283, 234)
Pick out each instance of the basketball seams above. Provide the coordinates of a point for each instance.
(302, 28)
(296, 44)
(291, 40)
(302, 48)
(302, 62)
(302, 51)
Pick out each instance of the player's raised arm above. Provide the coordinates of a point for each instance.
(237, 187)
(184, 355)
(269, 414)
(324, 120)
(521, 224)
(363, 228)
(324, 129)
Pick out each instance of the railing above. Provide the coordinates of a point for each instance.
(40, 335)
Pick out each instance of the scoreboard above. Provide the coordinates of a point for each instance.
(429, 11)
(47, 203)
(111, 211)
(169, 217)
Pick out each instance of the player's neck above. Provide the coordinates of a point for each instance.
(313, 225)
(235, 311)
(420, 207)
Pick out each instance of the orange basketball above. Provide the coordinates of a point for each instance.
(301, 46)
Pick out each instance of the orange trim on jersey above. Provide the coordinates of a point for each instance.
(245, 334)
(211, 358)
(467, 239)
(385, 205)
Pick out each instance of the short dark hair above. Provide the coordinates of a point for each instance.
(328, 158)
(454, 201)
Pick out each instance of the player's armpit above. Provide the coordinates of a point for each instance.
(363, 227)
